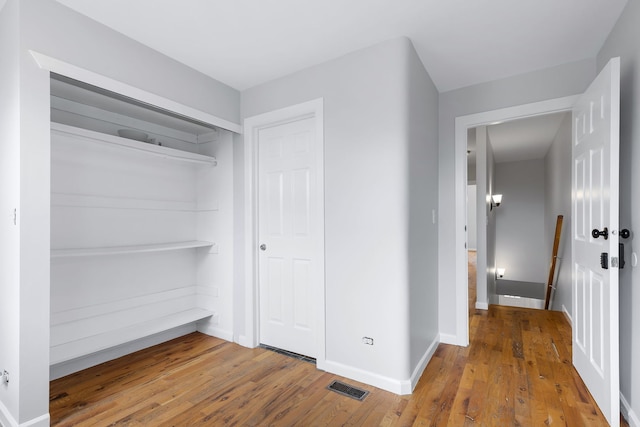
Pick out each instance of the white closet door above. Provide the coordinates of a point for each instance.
(288, 192)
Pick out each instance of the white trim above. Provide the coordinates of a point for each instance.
(482, 305)
(449, 339)
(424, 361)
(392, 385)
(7, 420)
(567, 315)
(206, 328)
(63, 68)
(463, 123)
(628, 413)
(251, 127)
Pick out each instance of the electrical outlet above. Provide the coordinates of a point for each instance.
(367, 340)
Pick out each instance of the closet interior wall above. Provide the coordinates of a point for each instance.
(141, 230)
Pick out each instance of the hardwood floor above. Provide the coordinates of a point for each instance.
(515, 372)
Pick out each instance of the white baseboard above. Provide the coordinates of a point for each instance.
(567, 315)
(208, 329)
(65, 368)
(390, 384)
(628, 413)
(244, 341)
(424, 361)
(6, 420)
(450, 339)
(482, 305)
(385, 383)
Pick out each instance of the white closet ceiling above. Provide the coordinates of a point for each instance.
(244, 43)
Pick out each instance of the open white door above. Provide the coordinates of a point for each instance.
(595, 171)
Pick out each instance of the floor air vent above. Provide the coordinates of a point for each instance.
(347, 390)
(289, 353)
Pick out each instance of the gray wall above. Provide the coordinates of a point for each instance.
(380, 131)
(557, 184)
(472, 229)
(491, 215)
(623, 42)
(556, 82)
(520, 228)
(422, 194)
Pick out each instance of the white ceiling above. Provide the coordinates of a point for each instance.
(522, 139)
(461, 42)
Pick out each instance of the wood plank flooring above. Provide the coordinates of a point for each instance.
(516, 372)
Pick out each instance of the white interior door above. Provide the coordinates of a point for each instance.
(595, 207)
(289, 268)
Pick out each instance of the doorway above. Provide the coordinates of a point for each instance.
(284, 288)
(526, 162)
(462, 125)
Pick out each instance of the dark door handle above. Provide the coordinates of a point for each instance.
(604, 233)
(624, 233)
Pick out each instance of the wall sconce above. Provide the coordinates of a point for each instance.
(500, 272)
(496, 199)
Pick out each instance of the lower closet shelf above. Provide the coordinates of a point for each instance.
(85, 346)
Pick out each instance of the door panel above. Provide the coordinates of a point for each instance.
(595, 190)
(287, 202)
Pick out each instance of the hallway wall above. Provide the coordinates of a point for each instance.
(520, 243)
(557, 183)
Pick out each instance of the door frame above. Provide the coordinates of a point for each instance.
(462, 124)
(252, 125)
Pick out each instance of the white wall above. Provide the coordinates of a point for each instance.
(557, 184)
(556, 82)
(482, 219)
(520, 221)
(472, 230)
(380, 189)
(10, 189)
(623, 42)
(49, 28)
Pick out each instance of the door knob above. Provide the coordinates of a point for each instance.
(604, 233)
(263, 247)
(625, 233)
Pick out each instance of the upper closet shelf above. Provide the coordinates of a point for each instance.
(130, 144)
(118, 250)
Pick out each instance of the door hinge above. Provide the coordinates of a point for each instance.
(15, 216)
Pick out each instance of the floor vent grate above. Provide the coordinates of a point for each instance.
(289, 353)
(347, 390)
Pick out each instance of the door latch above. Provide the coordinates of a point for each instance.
(595, 233)
(604, 260)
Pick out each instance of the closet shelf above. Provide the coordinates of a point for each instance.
(94, 343)
(130, 144)
(118, 250)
